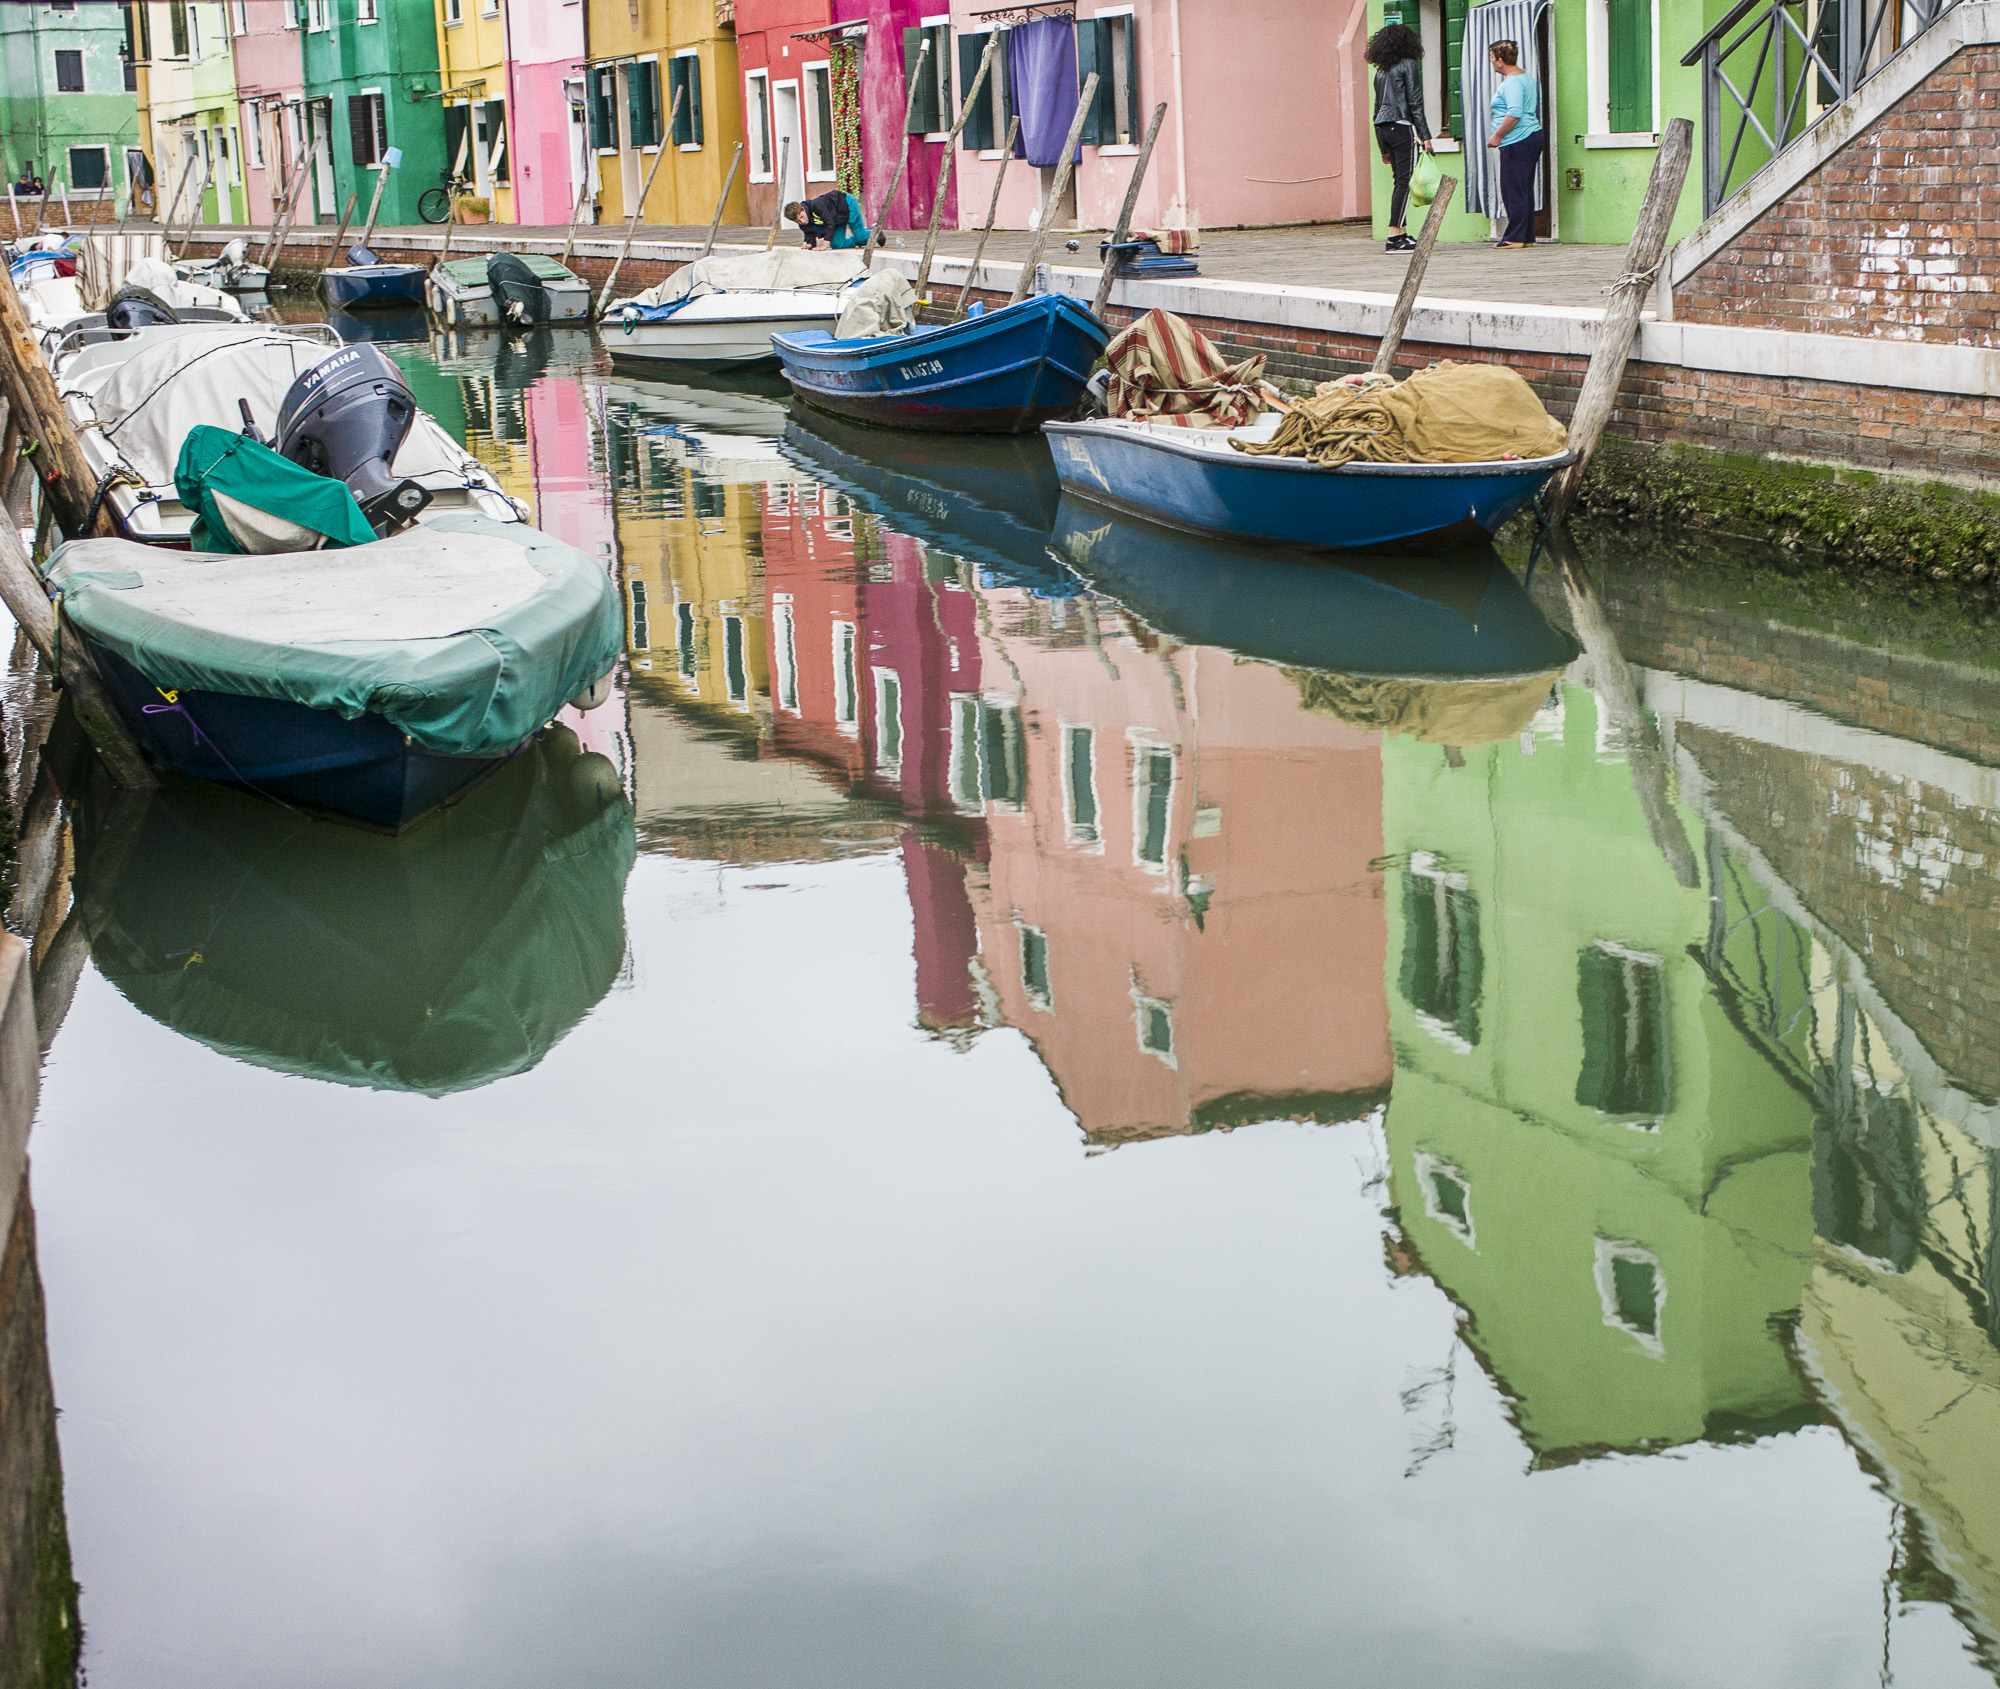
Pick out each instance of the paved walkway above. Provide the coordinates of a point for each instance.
(1333, 255)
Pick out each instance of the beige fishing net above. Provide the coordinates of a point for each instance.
(1450, 413)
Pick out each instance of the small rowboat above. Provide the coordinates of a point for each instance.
(1000, 372)
(363, 281)
(1195, 479)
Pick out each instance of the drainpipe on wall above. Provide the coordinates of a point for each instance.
(1180, 109)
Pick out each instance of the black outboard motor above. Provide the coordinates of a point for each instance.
(138, 307)
(522, 299)
(347, 417)
(360, 256)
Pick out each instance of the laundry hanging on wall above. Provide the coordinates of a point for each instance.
(1497, 20)
(1041, 71)
(844, 75)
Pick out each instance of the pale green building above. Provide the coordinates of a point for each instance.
(67, 105)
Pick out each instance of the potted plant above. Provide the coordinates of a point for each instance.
(474, 208)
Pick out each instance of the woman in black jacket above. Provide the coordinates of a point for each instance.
(1397, 55)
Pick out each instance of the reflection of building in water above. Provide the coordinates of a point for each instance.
(1179, 909)
(1585, 1153)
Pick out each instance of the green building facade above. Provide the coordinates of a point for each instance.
(371, 85)
(66, 101)
(1586, 1152)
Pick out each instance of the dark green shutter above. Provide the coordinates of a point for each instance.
(978, 130)
(457, 124)
(1630, 63)
(656, 114)
(635, 103)
(924, 112)
(496, 136)
(687, 130)
(603, 112)
(1454, 47)
(1093, 52)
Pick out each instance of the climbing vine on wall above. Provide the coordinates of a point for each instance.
(846, 60)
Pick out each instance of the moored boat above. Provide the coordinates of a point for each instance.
(996, 372)
(364, 280)
(721, 312)
(507, 288)
(1196, 479)
(229, 270)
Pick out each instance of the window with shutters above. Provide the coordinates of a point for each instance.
(89, 167)
(1632, 1291)
(1441, 26)
(177, 32)
(1109, 45)
(642, 102)
(139, 34)
(1156, 1027)
(366, 129)
(684, 78)
(239, 17)
(819, 121)
(194, 31)
(986, 124)
(928, 114)
(1621, 38)
(1622, 996)
(757, 124)
(1079, 754)
(496, 142)
(69, 70)
(315, 14)
(458, 140)
(1152, 804)
(604, 109)
(365, 11)
(256, 139)
(888, 723)
(454, 12)
(1035, 967)
(1442, 967)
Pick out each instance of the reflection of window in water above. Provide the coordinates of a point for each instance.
(733, 667)
(1622, 994)
(1447, 1195)
(1867, 1172)
(846, 703)
(684, 639)
(710, 500)
(1156, 1028)
(1441, 957)
(640, 639)
(1152, 804)
(985, 753)
(1080, 785)
(1632, 1291)
(785, 643)
(888, 721)
(1035, 966)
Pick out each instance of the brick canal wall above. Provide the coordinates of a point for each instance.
(1895, 236)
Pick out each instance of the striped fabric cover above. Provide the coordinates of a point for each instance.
(1163, 370)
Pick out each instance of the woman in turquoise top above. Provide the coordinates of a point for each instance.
(1515, 129)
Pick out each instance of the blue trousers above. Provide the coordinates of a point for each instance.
(1517, 186)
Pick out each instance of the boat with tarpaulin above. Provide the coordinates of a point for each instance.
(720, 312)
(506, 290)
(364, 281)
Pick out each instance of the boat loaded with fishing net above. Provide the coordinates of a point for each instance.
(1427, 464)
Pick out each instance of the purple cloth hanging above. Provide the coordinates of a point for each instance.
(1041, 71)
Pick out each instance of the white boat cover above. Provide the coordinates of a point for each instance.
(884, 304)
(146, 405)
(155, 275)
(53, 301)
(783, 270)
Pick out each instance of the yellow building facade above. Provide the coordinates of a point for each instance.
(664, 73)
(472, 61)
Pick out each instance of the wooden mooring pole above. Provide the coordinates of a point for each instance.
(1063, 172)
(1109, 274)
(1413, 280)
(880, 237)
(784, 170)
(721, 203)
(1595, 403)
(944, 164)
(639, 205)
(992, 211)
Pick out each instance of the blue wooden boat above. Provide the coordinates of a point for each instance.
(1001, 372)
(365, 282)
(1195, 479)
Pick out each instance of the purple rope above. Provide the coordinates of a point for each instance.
(173, 706)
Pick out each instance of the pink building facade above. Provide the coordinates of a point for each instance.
(1267, 114)
(545, 112)
(270, 89)
(883, 102)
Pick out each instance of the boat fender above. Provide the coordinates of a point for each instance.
(596, 692)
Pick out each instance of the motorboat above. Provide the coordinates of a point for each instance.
(721, 312)
(134, 400)
(230, 270)
(91, 292)
(993, 372)
(364, 280)
(506, 289)
(1196, 479)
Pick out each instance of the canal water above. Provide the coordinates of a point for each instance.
(1039, 1103)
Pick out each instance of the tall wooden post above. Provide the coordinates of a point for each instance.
(1061, 187)
(632, 224)
(784, 170)
(722, 201)
(1109, 273)
(881, 234)
(375, 203)
(1413, 279)
(576, 212)
(992, 210)
(950, 153)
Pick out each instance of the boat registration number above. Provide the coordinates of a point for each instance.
(925, 366)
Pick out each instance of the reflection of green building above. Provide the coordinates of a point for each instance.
(1586, 1153)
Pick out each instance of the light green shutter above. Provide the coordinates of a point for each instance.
(1454, 52)
(924, 112)
(1629, 55)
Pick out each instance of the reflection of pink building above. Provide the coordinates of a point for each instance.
(270, 85)
(573, 498)
(545, 47)
(1179, 909)
(820, 702)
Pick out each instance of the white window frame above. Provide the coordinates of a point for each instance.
(809, 116)
(315, 16)
(1045, 1000)
(381, 127)
(82, 71)
(1429, 1166)
(665, 105)
(886, 681)
(1599, 135)
(1430, 30)
(846, 678)
(1073, 831)
(367, 11)
(1146, 744)
(454, 13)
(667, 127)
(942, 70)
(255, 117)
(1143, 1009)
(194, 33)
(785, 653)
(1609, 1249)
(239, 17)
(69, 169)
(769, 138)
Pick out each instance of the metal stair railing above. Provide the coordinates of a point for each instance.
(1796, 61)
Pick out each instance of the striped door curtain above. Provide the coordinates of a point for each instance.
(1497, 20)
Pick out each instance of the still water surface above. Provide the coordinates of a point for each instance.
(1027, 1108)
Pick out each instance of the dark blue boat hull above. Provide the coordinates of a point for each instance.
(365, 769)
(1416, 507)
(1003, 372)
(374, 284)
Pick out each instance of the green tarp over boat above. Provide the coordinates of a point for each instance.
(466, 633)
(434, 962)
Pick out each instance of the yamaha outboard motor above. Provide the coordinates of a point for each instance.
(347, 417)
(138, 307)
(522, 299)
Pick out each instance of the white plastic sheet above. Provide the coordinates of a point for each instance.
(784, 270)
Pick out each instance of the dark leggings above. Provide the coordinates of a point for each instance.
(1517, 186)
(1398, 141)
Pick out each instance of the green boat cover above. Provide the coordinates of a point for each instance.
(466, 633)
(245, 496)
(433, 962)
(471, 272)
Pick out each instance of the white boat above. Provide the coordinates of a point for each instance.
(720, 312)
(67, 310)
(461, 293)
(135, 398)
(230, 270)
